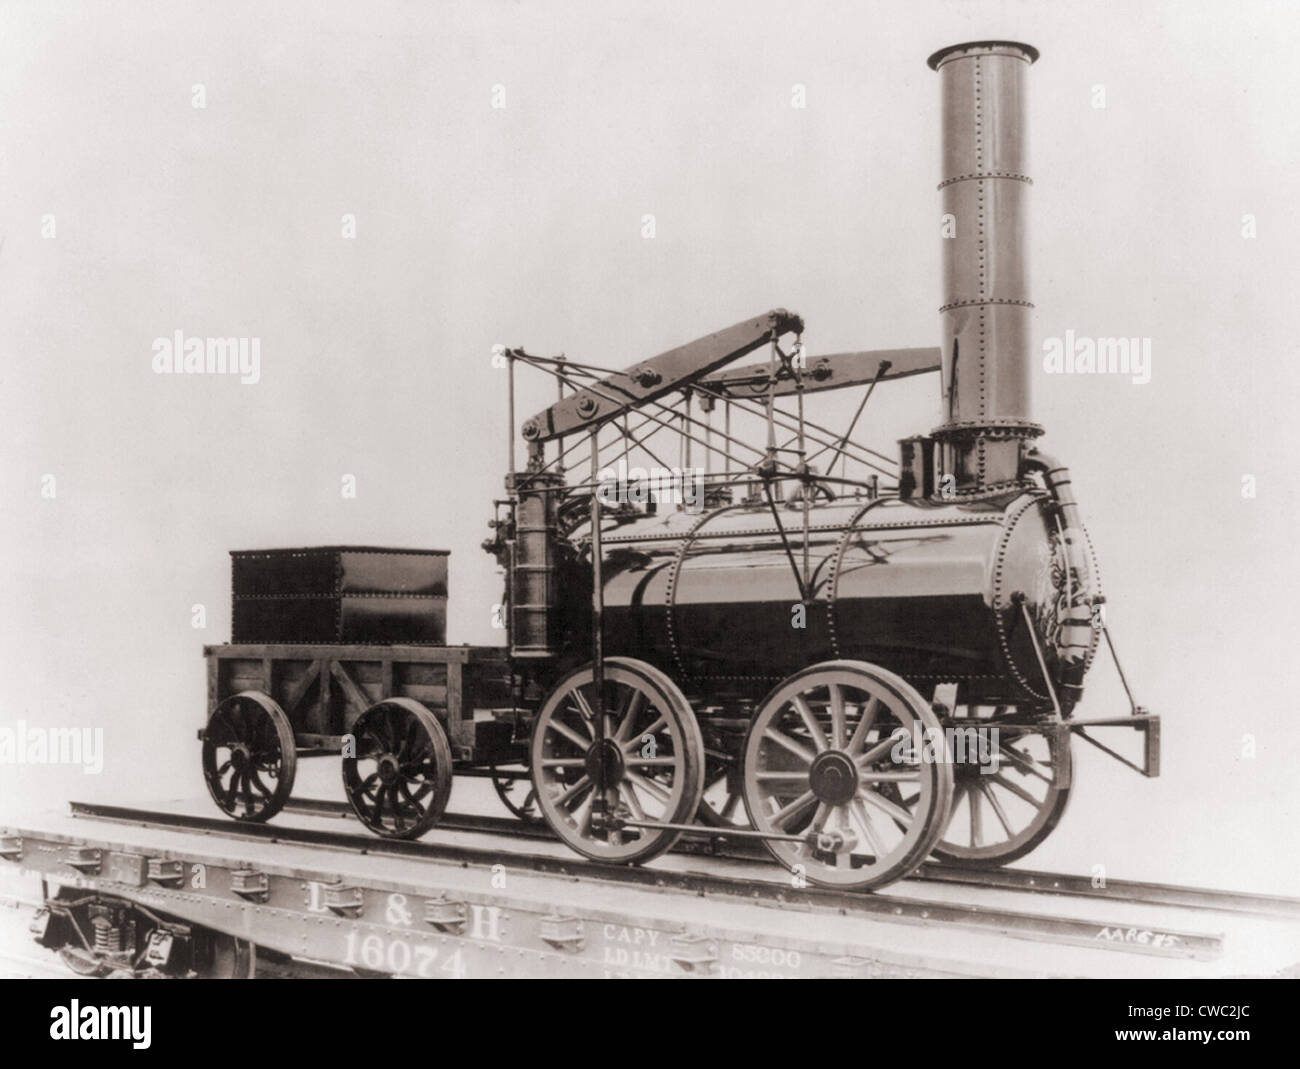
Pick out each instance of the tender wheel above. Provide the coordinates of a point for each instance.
(652, 759)
(249, 760)
(518, 795)
(849, 758)
(1000, 816)
(399, 778)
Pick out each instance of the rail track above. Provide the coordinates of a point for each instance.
(713, 844)
(1117, 934)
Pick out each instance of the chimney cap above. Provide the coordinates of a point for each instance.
(1029, 52)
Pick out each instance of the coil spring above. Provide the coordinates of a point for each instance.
(108, 937)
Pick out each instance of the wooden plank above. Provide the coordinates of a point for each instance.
(461, 729)
(434, 697)
(455, 702)
(352, 693)
(214, 681)
(299, 690)
(315, 740)
(326, 713)
(323, 651)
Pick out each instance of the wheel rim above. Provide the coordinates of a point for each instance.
(517, 795)
(82, 962)
(399, 778)
(825, 760)
(722, 803)
(248, 756)
(229, 958)
(652, 755)
(999, 816)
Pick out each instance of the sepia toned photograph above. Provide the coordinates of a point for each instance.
(517, 490)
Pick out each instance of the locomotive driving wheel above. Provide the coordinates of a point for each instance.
(399, 777)
(1003, 808)
(650, 757)
(846, 767)
(249, 759)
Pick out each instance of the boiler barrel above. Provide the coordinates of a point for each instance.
(926, 592)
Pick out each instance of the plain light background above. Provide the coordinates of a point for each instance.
(523, 225)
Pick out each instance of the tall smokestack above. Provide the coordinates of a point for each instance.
(986, 309)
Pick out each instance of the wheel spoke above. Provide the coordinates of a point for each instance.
(563, 729)
(634, 706)
(782, 817)
(587, 713)
(815, 733)
(1024, 762)
(837, 716)
(858, 810)
(581, 785)
(632, 743)
(881, 750)
(996, 806)
(230, 792)
(801, 752)
(655, 790)
(1017, 790)
(896, 811)
(865, 722)
(412, 800)
(820, 818)
(976, 818)
(582, 815)
(628, 794)
(261, 787)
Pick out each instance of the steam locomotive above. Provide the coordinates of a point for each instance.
(861, 670)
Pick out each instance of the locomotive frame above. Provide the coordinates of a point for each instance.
(632, 728)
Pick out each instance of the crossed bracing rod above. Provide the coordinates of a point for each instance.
(694, 367)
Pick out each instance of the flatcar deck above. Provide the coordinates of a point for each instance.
(478, 903)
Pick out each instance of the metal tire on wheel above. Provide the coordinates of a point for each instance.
(399, 779)
(653, 759)
(825, 761)
(247, 741)
(518, 795)
(722, 802)
(999, 817)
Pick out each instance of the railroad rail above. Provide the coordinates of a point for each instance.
(337, 899)
(1076, 931)
(1031, 881)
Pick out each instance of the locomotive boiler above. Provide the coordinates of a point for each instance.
(800, 623)
(859, 659)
